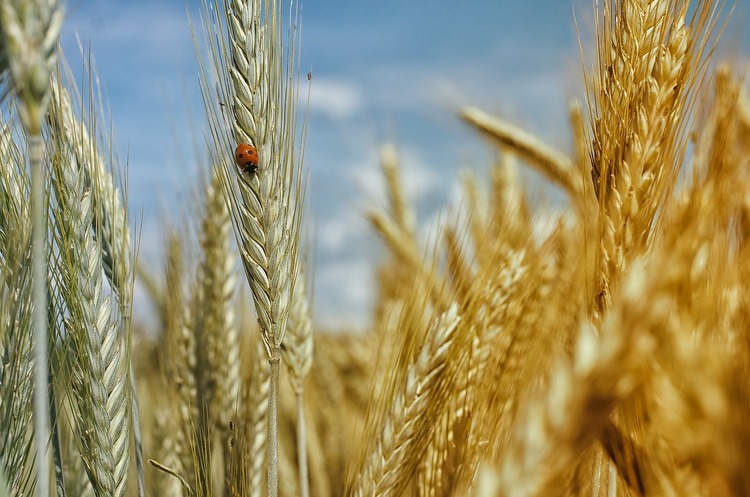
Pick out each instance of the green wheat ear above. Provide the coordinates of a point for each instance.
(255, 73)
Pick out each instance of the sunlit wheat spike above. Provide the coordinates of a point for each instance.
(550, 162)
(650, 67)
(391, 455)
(99, 351)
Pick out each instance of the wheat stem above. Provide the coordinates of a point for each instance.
(56, 449)
(273, 435)
(304, 483)
(39, 271)
(28, 32)
(257, 418)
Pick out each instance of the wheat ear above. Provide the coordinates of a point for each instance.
(180, 356)
(165, 442)
(550, 162)
(16, 348)
(579, 399)
(401, 210)
(28, 39)
(218, 330)
(257, 79)
(99, 352)
(393, 454)
(255, 403)
(650, 65)
(111, 228)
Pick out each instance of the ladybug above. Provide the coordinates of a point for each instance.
(246, 157)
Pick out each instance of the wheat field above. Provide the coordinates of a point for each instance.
(608, 355)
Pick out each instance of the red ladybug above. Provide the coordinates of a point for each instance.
(246, 157)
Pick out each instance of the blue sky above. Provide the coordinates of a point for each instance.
(389, 70)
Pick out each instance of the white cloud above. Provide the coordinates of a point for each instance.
(335, 98)
(344, 293)
(418, 179)
(338, 231)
